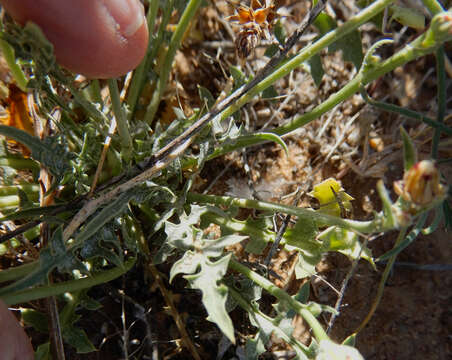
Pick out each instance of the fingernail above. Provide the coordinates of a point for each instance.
(128, 15)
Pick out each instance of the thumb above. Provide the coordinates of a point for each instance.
(96, 38)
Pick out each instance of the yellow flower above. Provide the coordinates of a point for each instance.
(332, 198)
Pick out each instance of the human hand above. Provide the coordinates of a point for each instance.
(95, 38)
(14, 343)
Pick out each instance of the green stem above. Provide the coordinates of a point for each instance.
(310, 51)
(139, 74)
(68, 286)
(121, 120)
(382, 283)
(441, 95)
(16, 70)
(175, 42)
(19, 163)
(281, 295)
(94, 91)
(410, 52)
(322, 219)
(29, 189)
(242, 227)
(433, 6)
(17, 272)
(406, 112)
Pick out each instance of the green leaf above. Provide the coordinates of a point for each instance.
(206, 96)
(271, 50)
(180, 236)
(238, 76)
(53, 256)
(409, 151)
(43, 352)
(279, 326)
(77, 338)
(407, 17)
(280, 32)
(214, 295)
(256, 346)
(306, 264)
(303, 295)
(346, 242)
(111, 211)
(350, 44)
(272, 137)
(351, 47)
(35, 318)
(270, 93)
(104, 244)
(204, 274)
(302, 235)
(350, 340)
(316, 69)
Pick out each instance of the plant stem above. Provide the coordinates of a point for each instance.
(321, 219)
(401, 237)
(175, 42)
(406, 112)
(29, 189)
(433, 6)
(17, 272)
(19, 163)
(282, 296)
(410, 52)
(441, 96)
(68, 286)
(94, 91)
(139, 74)
(310, 51)
(123, 129)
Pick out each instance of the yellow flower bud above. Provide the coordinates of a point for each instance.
(420, 184)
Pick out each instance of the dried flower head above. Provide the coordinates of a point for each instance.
(255, 22)
(420, 184)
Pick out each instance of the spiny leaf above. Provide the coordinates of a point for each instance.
(53, 256)
(213, 295)
(205, 274)
(49, 152)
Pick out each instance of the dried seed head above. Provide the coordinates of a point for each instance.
(247, 40)
(255, 22)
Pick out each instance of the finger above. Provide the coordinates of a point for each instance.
(96, 38)
(14, 343)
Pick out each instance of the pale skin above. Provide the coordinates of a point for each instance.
(95, 38)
